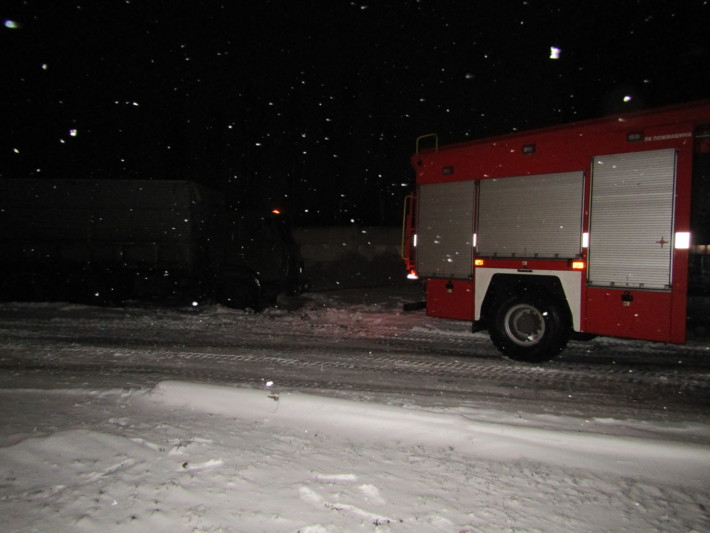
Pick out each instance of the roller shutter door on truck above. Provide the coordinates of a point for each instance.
(631, 226)
(445, 230)
(531, 216)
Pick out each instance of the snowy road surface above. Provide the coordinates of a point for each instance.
(342, 414)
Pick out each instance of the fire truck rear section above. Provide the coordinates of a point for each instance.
(571, 231)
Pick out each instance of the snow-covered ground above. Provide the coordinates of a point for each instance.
(197, 456)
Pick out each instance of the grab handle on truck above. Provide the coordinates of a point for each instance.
(421, 137)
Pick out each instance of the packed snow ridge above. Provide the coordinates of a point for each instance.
(197, 457)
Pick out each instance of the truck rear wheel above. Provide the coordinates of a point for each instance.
(529, 327)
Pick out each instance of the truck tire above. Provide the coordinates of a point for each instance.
(240, 293)
(21, 288)
(529, 327)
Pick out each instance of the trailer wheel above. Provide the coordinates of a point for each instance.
(529, 327)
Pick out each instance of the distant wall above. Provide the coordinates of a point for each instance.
(351, 256)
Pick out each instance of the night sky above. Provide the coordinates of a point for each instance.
(313, 107)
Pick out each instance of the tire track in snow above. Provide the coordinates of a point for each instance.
(24, 353)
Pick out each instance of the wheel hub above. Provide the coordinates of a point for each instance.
(524, 324)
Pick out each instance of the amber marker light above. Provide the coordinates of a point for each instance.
(478, 262)
(578, 265)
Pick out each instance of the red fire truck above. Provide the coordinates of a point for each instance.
(564, 232)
